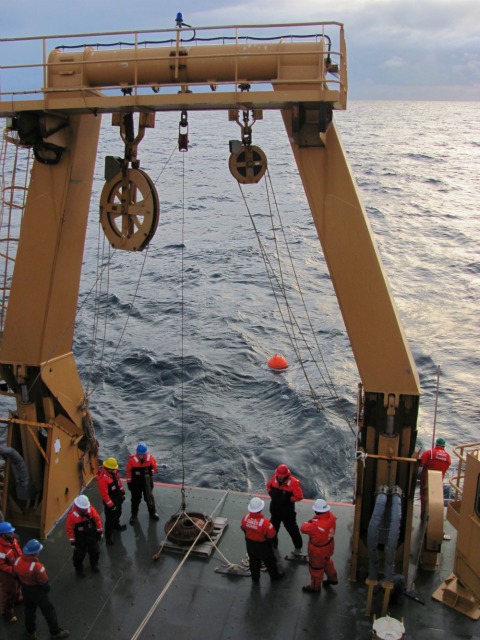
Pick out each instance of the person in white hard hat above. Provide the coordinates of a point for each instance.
(84, 531)
(259, 535)
(320, 530)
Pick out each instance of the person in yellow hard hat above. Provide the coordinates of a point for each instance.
(113, 495)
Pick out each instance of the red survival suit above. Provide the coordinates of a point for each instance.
(34, 580)
(140, 471)
(84, 530)
(9, 586)
(321, 530)
(111, 490)
(285, 491)
(436, 459)
(259, 534)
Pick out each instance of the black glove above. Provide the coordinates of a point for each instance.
(74, 544)
(45, 587)
(99, 535)
(114, 508)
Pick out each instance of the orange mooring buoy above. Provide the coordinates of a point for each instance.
(278, 362)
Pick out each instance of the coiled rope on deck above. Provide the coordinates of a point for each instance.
(172, 578)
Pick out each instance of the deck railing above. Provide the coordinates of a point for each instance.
(37, 71)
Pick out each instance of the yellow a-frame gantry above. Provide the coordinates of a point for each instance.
(306, 79)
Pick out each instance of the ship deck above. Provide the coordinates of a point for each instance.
(135, 596)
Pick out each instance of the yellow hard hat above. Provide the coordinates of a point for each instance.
(110, 463)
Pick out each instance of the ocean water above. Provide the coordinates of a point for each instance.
(172, 343)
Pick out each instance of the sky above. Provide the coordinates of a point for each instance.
(397, 49)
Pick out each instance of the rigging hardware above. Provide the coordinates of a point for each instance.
(183, 132)
(128, 222)
(247, 162)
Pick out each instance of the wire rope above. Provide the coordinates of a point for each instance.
(292, 322)
(182, 332)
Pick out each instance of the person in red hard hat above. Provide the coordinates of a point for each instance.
(436, 459)
(34, 580)
(259, 535)
(320, 531)
(84, 531)
(10, 590)
(285, 490)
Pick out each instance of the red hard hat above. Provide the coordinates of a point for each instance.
(282, 470)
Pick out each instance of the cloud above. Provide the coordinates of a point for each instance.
(395, 61)
(406, 43)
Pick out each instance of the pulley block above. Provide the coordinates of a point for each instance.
(248, 165)
(183, 529)
(129, 210)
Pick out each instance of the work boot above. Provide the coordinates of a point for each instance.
(330, 582)
(308, 589)
(154, 515)
(61, 633)
(298, 551)
(279, 576)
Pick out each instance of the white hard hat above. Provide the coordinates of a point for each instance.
(256, 505)
(320, 506)
(82, 502)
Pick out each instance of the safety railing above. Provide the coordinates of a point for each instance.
(37, 70)
(457, 479)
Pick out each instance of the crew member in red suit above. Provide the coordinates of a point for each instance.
(112, 493)
(285, 491)
(436, 459)
(320, 531)
(259, 536)
(140, 469)
(84, 531)
(34, 580)
(10, 590)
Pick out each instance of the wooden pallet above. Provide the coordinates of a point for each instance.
(204, 549)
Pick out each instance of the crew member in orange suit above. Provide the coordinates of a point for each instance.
(140, 469)
(320, 531)
(34, 580)
(436, 459)
(84, 531)
(111, 490)
(285, 490)
(259, 535)
(10, 590)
